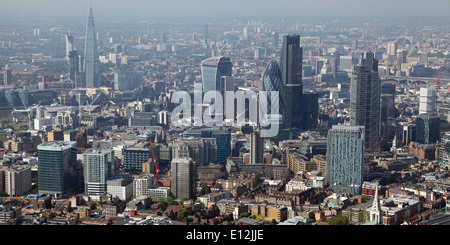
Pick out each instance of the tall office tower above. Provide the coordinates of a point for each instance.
(18, 180)
(427, 101)
(334, 68)
(291, 60)
(310, 111)
(345, 158)
(272, 83)
(7, 75)
(355, 44)
(73, 64)
(401, 58)
(98, 167)
(391, 48)
(275, 37)
(212, 70)
(57, 167)
(428, 128)
(206, 34)
(256, 148)
(69, 45)
(182, 172)
(291, 75)
(365, 92)
(423, 58)
(90, 54)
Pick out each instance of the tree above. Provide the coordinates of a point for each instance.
(183, 214)
(243, 215)
(339, 220)
(205, 190)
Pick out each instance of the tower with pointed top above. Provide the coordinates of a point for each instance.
(90, 54)
(375, 212)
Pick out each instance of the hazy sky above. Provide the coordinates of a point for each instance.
(440, 8)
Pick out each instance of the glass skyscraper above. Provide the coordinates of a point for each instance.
(345, 158)
(291, 75)
(91, 69)
(291, 60)
(57, 167)
(272, 82)
(365, 93)
(212, 70)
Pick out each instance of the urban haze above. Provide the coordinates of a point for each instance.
(93, 130)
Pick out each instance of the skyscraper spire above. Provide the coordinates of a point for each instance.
(90, 54)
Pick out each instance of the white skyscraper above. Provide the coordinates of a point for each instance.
(427, 101)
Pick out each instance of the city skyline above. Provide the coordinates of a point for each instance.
(234, 113)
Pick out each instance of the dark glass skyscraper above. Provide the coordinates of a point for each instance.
(291, 60)
(90, 54)
(57, 167)
(291, 75)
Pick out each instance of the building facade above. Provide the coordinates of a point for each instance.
(345, 158)
(57, 167)
(365, 92)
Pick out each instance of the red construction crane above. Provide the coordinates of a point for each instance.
(48, 80)
(437, 82)
(156, 162)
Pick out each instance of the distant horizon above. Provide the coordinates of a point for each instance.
(133, 9)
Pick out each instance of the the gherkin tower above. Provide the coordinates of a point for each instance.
(90, 54)
(272, 82)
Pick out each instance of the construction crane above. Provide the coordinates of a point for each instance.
(219, 51)
(90, 105)
(48, 79)
(415, 85)
(156, 162)
(437, 82)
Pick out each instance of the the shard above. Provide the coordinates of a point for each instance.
(90, 54)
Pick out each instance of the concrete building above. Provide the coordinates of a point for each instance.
(18, 180)
(182, 174)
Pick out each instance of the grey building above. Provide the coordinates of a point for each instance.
(365, 92)
(91, 69)
(182, 172)
(345, 158)
(98, 167)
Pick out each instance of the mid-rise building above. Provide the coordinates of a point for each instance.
(121, 187)
(17, 180)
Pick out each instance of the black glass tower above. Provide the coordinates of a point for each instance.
(291, 75)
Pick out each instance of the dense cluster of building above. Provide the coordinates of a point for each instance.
(359, 136)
